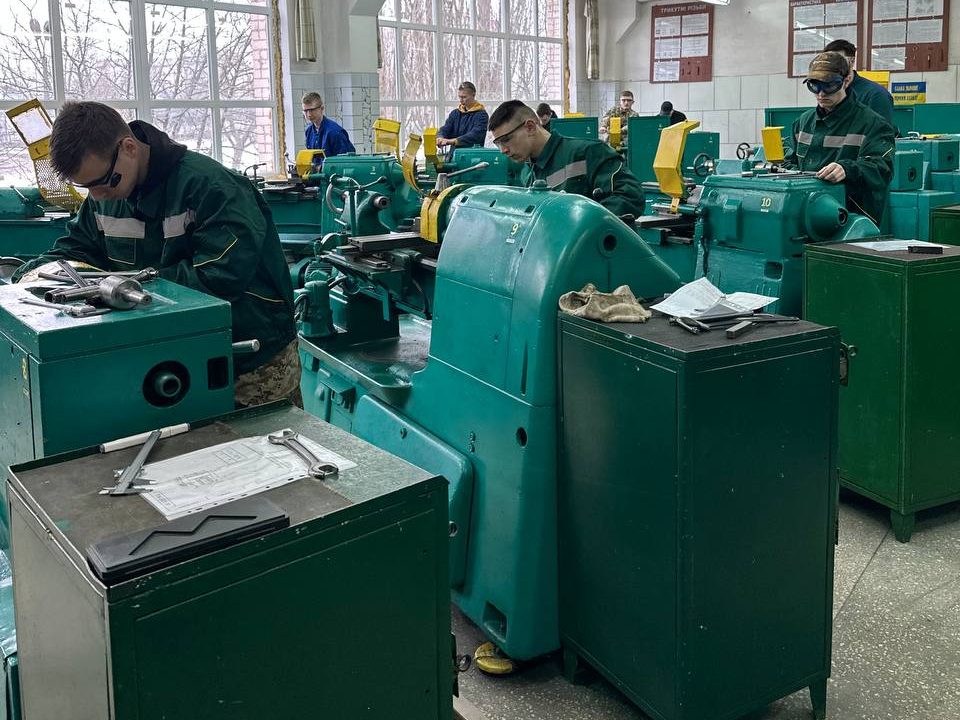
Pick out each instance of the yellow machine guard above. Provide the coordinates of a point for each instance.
(669, 157)
(430, 148)
(772, 144)
(616, 130)
(305, 161)
(409, 161)
(33, 125)
(386, 136)
(566, 115)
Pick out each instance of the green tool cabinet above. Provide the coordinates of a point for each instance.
(899, 424)
(345, 614)
(697, 513)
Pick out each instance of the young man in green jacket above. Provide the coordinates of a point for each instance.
(153, 203)
(586, 167)
(842, 140)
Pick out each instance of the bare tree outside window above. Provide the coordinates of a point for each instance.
(474, 40)
(101, 49)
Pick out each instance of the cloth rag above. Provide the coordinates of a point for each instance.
(617, 306)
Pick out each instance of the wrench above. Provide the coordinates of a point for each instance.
(315, 468)
(77, 311)
(132, 471)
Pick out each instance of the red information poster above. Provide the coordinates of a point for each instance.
(682, 47)
(814, 23)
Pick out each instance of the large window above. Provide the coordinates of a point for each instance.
(198, 69)
(507, 48)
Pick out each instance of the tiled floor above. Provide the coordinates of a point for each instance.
(896, 640)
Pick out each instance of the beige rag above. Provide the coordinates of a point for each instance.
(617, 306)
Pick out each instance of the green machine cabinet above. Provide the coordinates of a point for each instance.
(899, 427)
(697, 520)
(945, 225)
(343, 614)
(644, 134)
(587, 128)
(68, 383)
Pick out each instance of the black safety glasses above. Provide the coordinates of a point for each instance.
(110, 178)
(821, 86)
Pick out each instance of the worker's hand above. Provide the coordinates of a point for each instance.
(832, 173)
(443, 142)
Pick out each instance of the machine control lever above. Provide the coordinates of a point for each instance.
(315, 467)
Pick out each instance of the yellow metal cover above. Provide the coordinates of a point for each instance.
(881, 77)
(666, 163)
(615, 131)
(386, 136)
(573, 115)
(430, 148)
(305, 160)
(773, 143)
(409, 161)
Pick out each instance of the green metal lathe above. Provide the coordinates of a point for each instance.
(440, 346)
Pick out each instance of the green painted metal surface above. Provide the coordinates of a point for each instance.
(577, 127)
(755, 230)
(696, 527)
(345, 614)
(903, 119)
(68, 383)
(945, 225)
(28, 226)
(908, 213)
(898, 421)
(479, 382)
(644, 134)
(907, 170)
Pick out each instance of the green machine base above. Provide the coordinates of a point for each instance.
(898, 420)
(344, 614)
(697, 522)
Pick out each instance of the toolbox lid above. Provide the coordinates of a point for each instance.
(176, 311)
(62, 491)
(896, 257)
(659, 335)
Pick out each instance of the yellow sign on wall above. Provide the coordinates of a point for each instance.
(909, 93)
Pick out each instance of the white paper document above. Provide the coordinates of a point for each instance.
(894, 245)
(701, 296)
(232, 470)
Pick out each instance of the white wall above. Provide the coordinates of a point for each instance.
(749, 67)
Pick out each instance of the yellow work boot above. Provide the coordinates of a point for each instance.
(489, 659)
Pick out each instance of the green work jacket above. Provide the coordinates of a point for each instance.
(200, 225)
(856, 138)
(590, 168)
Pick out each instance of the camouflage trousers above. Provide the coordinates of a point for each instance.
(277, 379)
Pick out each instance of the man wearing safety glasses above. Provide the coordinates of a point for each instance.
(586, 167)
(153, 203)
(842, 140)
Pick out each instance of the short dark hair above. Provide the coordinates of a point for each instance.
(312, 98)
(511, 110)
(544, 109)
(842, 46)
(468, 86)
(667, 107)
(83, 128)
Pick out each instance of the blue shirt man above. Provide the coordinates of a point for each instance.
(466, 125)
(322, 133)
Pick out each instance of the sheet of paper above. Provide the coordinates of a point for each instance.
(924, 31)
(697, 46)
(701, 296)
(892, 58)
(698, 24)
(925, 8)
(808, 16)
(666, 48)
(889, 9)
(221, 473)
(801, 64)
(666, 71)
(841, 13)
(807, 41)
(894, 245)
(891, 33)
(666, 27)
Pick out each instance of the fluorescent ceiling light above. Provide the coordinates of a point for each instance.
(717, 2)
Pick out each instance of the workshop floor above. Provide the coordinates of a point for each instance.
(896, 637)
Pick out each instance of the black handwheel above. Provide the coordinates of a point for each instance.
(744, 150)
(702, 165)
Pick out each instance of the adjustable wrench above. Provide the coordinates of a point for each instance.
(315, 468)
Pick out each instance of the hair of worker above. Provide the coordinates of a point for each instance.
(311, 98)
(511, 110)
(83, 128)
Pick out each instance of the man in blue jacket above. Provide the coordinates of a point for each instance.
(323, 133)
(466, 124)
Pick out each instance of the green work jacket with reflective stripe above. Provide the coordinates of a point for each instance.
(590, 168)
(856, 138)
(205, 227)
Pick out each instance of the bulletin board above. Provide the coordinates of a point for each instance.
(682, 43)
(908, 35)
(814, 23)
